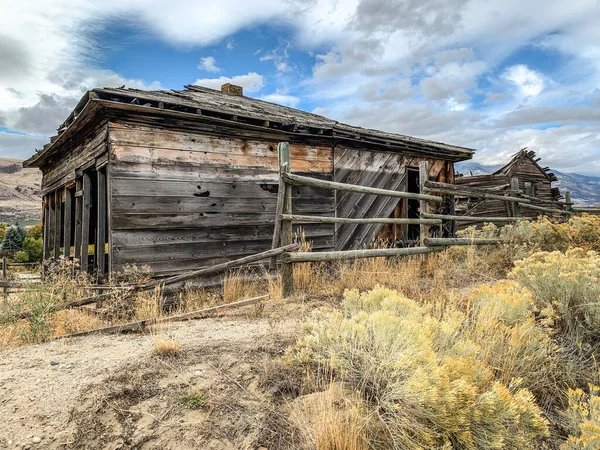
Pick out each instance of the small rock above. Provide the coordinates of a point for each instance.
(54, 362)
(198, 373)
(36, 439)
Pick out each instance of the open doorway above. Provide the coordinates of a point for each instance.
(412, 206)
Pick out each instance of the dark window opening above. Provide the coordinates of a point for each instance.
(412, 206)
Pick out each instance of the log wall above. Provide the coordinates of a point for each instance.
(181, 199)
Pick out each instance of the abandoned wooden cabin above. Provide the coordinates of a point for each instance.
(534, 181)
(183, 179)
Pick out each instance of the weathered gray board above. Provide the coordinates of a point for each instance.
(181, 199)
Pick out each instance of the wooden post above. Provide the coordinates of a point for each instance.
(568, 206)
(4, 274)
(68, 222)
(101, 226)
(78, 216)
(514, 192)
(85, 220)
(46, 227)
(57, 222)
(423, 209)
(278, 213)
(287, 268)
(423, 205)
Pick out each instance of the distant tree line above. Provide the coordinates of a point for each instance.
(21, 245)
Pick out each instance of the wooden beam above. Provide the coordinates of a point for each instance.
(46, 230)
(278, 211)
(474, 218)
(287, 270)
(140, 324)
(99, 254)
(320, 219)
(57, 222)
(423, 205)
(354, 254)
(514, 189)
(78, 220)
(308, 181)
(462, 190)
(68, 222)
(461, 241)
(85, 220)
(548, 210)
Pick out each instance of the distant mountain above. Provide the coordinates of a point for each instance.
(20, 193)
(585, 189)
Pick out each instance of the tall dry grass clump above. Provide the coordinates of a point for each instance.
(421, 373)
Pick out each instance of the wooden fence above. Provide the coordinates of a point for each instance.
(429, 220)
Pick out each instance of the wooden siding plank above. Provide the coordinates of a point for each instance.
(85, 220)
(68, 222)
(99, 253)
(57, 222)
(78, 221)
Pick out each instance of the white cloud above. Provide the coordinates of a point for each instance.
(209, 64)
(529, 82)
(280, 56)
(251, 82)
(282, 98)
(230, 44)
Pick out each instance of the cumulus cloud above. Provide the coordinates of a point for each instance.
(209, 64)
(19, 145)
(251, 82)
(529, 82)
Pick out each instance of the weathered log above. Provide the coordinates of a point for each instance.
(445, 188)
(311, 219)
(308, 181)
(474, 218)
(354, 254)
(591, 210)
(548, 210)
(461, 241)
(141, 324)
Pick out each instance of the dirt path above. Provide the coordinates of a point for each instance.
(112, 392)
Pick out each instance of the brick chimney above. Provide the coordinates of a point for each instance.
(232, 89)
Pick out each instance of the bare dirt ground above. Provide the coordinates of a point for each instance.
(113, 392)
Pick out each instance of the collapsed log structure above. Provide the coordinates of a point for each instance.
(534, 183)
(178, 180)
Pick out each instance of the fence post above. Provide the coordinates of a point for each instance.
(568, 206)
(4, 274)
(423, 205)
(287, 268)
(515, 191)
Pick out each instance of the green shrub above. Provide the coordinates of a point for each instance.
(35, 231)
(422, 374)
(34, 249)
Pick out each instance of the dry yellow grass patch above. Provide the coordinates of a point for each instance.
(163, 344)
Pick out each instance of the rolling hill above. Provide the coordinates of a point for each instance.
(20, 194)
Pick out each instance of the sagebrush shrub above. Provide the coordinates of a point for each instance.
(566, 288)
(584, 412)
(423, 374)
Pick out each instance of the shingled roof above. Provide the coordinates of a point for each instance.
(200, 103)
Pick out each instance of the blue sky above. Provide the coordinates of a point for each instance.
(488, 75)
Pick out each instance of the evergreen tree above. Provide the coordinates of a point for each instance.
(13, 239)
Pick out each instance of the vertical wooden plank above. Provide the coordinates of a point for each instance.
(515, 191)
(51, 223)
(46, 227)
(68, 222)
(278, 213)
(57, 222)
(101, 227)
(85, 220)
(287, 269)
(78, 217)
(423, 205)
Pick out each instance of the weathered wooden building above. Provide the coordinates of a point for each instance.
(181, 179)
(534, 181)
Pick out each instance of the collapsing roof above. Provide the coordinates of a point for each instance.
(209, 105)
(518, 158)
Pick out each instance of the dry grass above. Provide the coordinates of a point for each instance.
(165, 346)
